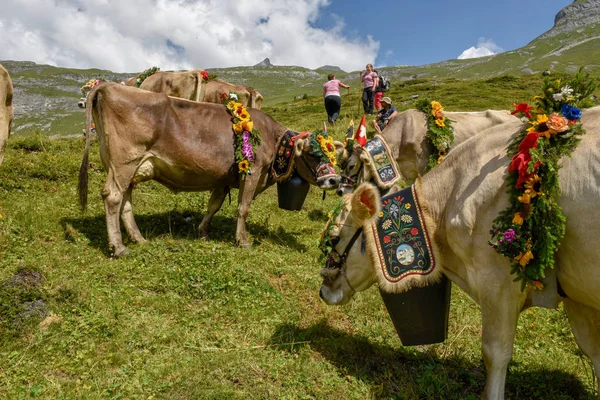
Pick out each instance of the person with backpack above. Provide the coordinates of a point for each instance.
(369, 80)
(383, 85)
(333, 100)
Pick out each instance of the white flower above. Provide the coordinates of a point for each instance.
(406, 219)
(565, 92)
(233, 96)
(386, 224)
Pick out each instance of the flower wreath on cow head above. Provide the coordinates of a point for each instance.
(529, 230)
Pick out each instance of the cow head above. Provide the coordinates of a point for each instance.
(316, 159)
(348, 270)
(355, 159)
(85, 89)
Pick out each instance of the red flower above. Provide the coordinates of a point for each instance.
(414, 231)
(386, 239)
(239, 110)
(520, 162)
(329, 146)
(204, 75)
(522, 108)
(223, 95)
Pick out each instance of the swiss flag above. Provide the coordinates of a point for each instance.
(361, 133)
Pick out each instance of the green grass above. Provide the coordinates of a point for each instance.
(185, 318)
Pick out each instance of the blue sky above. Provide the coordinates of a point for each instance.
(424, 32)
(131, 36)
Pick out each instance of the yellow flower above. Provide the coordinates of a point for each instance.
(525, 199)
(380, 214)
(407, 206)
(523, 259)
(238, 127)
(440, 123)
(532, 128)
(232, 105)
(243, 166)
(320, 138)
(436, 106)
(248, 125)
(243, 114)
(517, 219)
(533, 186)
(541, 118)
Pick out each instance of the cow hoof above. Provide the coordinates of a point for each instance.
(202, 234)
(121, 253)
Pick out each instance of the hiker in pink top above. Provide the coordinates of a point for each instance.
(333, 100)
(370, 81)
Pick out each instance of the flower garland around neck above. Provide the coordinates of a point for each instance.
(146, 73)
(439, 130)
(322, 146)
(247, 137)
(324, 241)
(529, 230)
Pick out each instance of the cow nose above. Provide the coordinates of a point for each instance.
(339, 192)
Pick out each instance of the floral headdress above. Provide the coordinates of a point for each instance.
(529, 230)
(322, 146)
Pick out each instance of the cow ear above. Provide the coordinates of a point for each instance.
(299, 146)
(365, 202)
(340, 152)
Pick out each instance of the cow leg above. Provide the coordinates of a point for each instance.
(113, 198)
(245, 197)
(128, 220)
(501, 302)
(214, 204)
(585, 324)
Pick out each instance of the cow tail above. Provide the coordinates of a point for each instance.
(82, 189)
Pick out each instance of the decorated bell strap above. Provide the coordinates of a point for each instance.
(401, 241)
(383, 167)
(283, 164)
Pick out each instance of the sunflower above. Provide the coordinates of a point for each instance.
(525, 199)
(534, 186)
(243, 166)
(238, 127)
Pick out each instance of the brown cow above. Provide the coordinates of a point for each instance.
(189, 85)
(215, 89)
(184, 145)
(6, 109)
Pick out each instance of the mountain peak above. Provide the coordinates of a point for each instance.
(264, 63)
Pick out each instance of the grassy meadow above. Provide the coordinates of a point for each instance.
(189, 318)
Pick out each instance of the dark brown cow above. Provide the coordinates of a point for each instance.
(189, 85)
(184, 145)
(6, 109)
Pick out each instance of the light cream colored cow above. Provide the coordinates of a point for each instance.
(407, 140)
(460, 198)
(6, 109)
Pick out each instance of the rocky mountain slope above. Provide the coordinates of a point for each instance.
(46, 97)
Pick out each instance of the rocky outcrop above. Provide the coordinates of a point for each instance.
(264, 63)
(579, 14)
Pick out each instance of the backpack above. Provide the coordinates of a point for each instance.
(384, 84)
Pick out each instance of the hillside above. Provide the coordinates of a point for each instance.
(46, 96)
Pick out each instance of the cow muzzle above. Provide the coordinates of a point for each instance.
(81, 102)
(327, 179)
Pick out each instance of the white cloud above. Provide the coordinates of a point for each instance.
(130, 36)
(485, 47)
